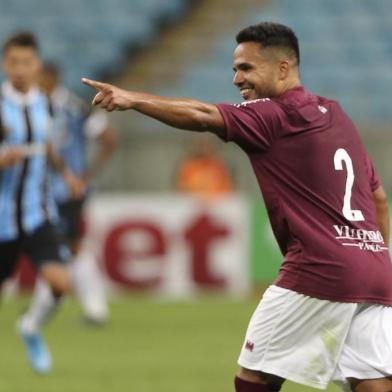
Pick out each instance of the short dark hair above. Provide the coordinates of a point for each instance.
(51, 68)
(271, 34)
(25, 39)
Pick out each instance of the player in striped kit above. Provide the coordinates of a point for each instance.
(27, 208)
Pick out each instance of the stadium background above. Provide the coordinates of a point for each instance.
(186, 340)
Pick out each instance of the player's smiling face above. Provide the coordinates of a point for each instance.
(255, 73)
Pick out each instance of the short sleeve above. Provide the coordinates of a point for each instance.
(253, 125)
(374, 179)
(96, 123)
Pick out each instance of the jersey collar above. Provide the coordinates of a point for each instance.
(9, 91)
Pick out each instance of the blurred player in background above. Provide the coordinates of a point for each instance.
(328, 316)
(27, 208)
(74, 124)
(203, 172)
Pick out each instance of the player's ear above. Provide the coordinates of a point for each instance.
(284, 69)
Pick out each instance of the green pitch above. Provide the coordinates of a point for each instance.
(148, 346)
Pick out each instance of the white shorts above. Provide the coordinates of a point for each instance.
(312, 341)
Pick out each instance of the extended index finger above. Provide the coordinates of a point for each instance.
(94, 84)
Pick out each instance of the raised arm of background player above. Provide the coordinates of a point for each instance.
(197, 116)
(76, 186)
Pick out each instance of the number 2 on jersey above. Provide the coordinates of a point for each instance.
(341, 155)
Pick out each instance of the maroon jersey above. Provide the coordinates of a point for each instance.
(317, 182)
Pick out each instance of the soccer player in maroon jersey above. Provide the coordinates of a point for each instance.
(328, 316)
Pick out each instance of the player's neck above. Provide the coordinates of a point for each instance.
(290, 84)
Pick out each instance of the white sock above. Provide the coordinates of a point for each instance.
(89, 286)
(42, 307)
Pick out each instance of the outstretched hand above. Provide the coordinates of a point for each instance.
(109, 97)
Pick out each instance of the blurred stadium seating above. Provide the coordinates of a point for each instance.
(96, 37)
(90, 37)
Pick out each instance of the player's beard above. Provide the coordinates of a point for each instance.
(265, 91)
(250, 92)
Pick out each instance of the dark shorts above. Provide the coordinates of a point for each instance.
(42, 246)
(71, 226)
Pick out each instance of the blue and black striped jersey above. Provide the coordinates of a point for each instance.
(26, 200)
